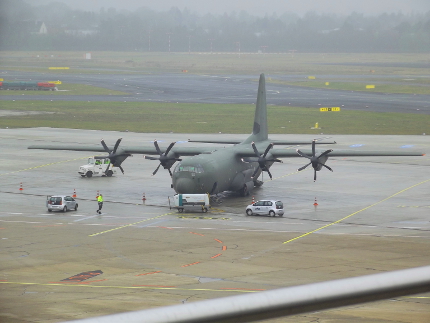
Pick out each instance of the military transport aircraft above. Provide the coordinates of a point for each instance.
(233, 168)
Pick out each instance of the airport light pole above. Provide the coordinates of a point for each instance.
(189, 44)
(169, 39)
(211, 39)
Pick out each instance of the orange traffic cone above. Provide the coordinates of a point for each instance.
(143, 198)
(74, 192)
(20, 187)
(315, 203)
(253, 199)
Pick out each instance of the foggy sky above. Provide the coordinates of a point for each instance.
(254, 7)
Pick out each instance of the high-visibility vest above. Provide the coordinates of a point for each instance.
(100, 198)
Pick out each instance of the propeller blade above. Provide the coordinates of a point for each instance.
(157, 148)
(255, 149)
(168, 148)
(268, 171)
(325, 153)
(302, 168)
(327, 167)
(303, 154)
(156, 170)
(170, 172)
(315, 174)
(151, 158)
(104, 146)
(255, 172)
(267, 150)
(313, 148)
(122, 170)
(116, 145)
(275, 160)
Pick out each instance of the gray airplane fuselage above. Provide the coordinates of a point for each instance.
(218, 171)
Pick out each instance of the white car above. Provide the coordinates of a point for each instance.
(266, 207)
(61, 203)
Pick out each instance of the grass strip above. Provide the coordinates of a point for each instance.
(207, 118)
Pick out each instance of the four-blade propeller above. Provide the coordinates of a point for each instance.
(115, 158)
(314, 161)
(164, 159)
(261, 159)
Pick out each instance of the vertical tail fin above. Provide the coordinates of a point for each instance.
(260, 130)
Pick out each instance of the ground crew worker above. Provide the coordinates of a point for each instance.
(100, 201)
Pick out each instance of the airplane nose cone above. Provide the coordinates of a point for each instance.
(185, 185)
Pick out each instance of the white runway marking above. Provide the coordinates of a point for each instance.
(87, 218)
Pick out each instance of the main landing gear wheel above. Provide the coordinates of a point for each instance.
(244, 191)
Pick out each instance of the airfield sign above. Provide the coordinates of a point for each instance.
(334, 109)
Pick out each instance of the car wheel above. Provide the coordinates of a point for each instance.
(248, 212)
(65, 209)
(89, 174)
(49, 210)
(76, 207)
(272, 213)
(109, 173)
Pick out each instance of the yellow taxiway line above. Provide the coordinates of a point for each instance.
(364, 209)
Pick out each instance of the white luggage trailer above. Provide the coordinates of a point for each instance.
(192, 201)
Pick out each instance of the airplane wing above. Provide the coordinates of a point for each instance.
(275, 142)
(148, 150)
(284, 153)
(292, 152)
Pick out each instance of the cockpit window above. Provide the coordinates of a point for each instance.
(193, 169)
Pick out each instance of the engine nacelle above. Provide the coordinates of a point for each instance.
(322, 160)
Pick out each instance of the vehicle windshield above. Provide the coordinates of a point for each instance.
(194, 169)
(55, 200)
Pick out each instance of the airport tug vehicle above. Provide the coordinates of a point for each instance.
(97, 167)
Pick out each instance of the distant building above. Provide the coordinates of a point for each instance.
(81, 32)
(38, 28)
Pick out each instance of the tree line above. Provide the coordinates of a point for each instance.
(182, 31)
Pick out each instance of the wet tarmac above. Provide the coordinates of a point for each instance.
(222, 89)
(371, 215)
